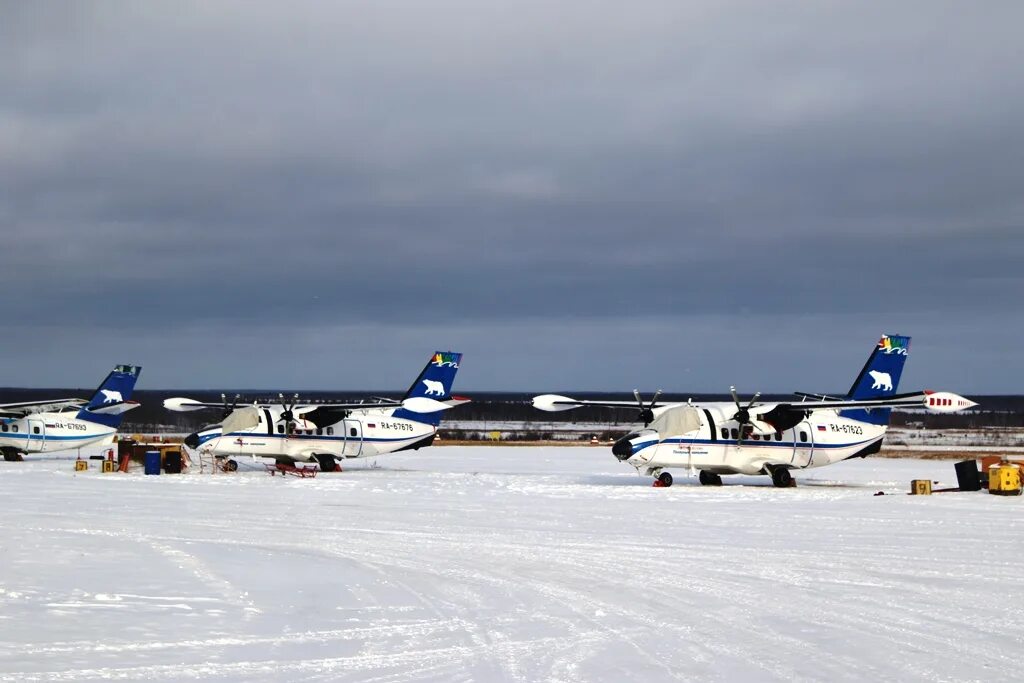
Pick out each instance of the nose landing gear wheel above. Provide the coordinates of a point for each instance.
(230, 466)
(710, 479)
(665, 479)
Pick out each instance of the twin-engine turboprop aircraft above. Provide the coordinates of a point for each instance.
(40, 426)
(770, 438)
(323, 432)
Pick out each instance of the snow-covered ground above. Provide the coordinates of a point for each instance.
(492, 563)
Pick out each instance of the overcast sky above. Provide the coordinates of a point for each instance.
(578, 195)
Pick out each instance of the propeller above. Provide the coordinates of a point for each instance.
(287, 415)
(646, 413)
(228, 409)
(742, 413)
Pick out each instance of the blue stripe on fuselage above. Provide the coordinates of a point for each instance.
(312, 437)
(790, 445)
(15, 436)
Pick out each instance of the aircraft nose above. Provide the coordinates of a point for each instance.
(192, 440)
(623, 448)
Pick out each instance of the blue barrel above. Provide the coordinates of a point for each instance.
(152, 462)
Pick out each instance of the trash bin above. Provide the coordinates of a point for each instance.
(172, 462)
(152, 462)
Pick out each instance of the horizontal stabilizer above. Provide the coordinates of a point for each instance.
(114, 408)
(422, 404)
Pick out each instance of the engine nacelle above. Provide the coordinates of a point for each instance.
(946, 402)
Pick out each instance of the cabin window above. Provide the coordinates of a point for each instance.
(778, 436)
(35, 430)
(757, 437)
(319, 431)
(14, 428)
(4, 428)
(353, 432)
(280, 429)
(803, 436)
(735, 433)
(330, 431)
(725, 432)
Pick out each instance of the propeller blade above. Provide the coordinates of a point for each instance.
(735, 398)
(655, 399)
(751, 404)
(646, 415)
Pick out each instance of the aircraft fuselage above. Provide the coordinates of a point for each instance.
(362, 434)
(822, 438)
(53, 431)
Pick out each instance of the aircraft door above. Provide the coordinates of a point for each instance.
(803, 444)
(353, 444)
(35, 431)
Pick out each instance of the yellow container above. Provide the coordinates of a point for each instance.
(81, 465)
(109, 466)
(1004, 479)
(921, 487)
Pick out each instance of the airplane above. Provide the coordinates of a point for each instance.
(769, 438)
(290, 432)
(40, 426)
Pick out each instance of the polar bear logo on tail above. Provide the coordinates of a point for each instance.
(434, 388)
(110, 396)
(882, 380)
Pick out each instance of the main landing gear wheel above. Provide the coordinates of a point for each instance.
(12, 455)
(781, 478)
(710, 478)
(326, 463)
(230, 466)
(665, 479)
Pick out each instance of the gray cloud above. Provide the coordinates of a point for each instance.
(580, 195)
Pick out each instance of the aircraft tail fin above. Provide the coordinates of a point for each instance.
(112, 398)
(879, 378)
(434, 381)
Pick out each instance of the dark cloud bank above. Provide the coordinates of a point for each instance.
(576, 195)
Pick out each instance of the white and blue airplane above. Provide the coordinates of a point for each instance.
(770, 438)
(42, 426)
(326, 432)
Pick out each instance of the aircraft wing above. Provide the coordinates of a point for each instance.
(939, 402)
(183, 405)
(420, 404)
(29, 407)
(554, 403)
(935, 401)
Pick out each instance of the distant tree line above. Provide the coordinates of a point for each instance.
(151, 417)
